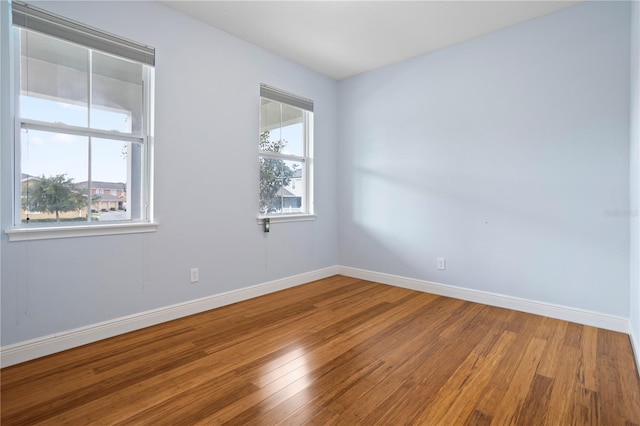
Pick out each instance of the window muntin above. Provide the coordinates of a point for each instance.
(285, 157)
(84, 125)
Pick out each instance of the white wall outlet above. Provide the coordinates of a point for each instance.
(195, 275)
(442, 263)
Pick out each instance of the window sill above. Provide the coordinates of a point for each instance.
(45, 233)
(287, 218)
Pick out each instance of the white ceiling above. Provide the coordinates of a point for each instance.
(343, 38)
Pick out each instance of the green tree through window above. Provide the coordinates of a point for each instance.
(55, 195)
(274, 175)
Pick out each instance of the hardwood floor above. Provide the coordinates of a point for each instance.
(337, 351)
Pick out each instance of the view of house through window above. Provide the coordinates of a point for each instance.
(285, 154)
(83, 137)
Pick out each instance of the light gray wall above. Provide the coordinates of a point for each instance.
(206, 175)
(635, 176)
(508, 155)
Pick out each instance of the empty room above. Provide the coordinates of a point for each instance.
(320, 212)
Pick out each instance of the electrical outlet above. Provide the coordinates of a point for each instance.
(195, 275)
(442, 263)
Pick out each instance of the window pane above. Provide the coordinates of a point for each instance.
(281, 128)
(116, 94)
(54, 167)
(270, 183)
(270, 115)
(292, 131)
(281, 186)
(116, 180)
(293, 187)
(53, 80)
(270, 123)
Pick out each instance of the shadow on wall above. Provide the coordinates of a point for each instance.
(497, 233)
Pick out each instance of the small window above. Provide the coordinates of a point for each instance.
(83, 108)
(285, 154)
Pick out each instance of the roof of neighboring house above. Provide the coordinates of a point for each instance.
(284, 192)
(25, 176)
(108, 197)
(96, 184)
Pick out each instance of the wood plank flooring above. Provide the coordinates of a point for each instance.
(338, 351)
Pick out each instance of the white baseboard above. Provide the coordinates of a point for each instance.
(47, 345)
(580, 316)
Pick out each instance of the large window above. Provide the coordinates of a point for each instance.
(83, 106)
(286, 129)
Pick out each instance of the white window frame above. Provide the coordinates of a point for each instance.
(95, 40)
(276, 95)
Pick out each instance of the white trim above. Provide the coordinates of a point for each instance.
(635, 346)
(280, 156)
(68, 129)
(45, 233)
(287, 218)
(42, 346)
(580, 316)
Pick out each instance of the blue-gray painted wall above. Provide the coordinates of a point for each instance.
(206, 192)
(508, 155)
